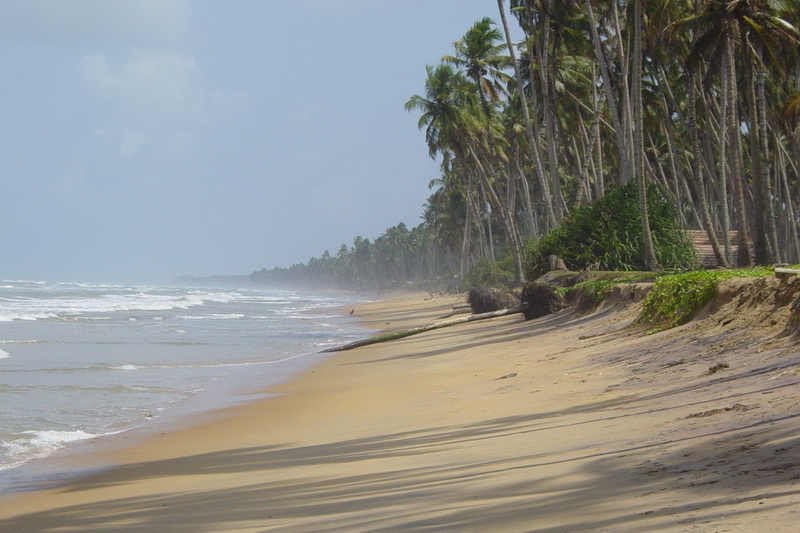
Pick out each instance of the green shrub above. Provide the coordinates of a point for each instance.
(676, 298)
(488, 273)
(608, 235)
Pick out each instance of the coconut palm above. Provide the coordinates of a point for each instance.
(552, 219)
(478, 53)
(638, 137)
(444, 114)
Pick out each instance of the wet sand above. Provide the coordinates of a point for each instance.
(565, 423)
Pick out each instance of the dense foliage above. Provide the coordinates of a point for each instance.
(701, 97)
(606, 235)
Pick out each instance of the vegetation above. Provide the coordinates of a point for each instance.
(593, 291)
(586, 290)
(606, 235)
(397, 258)
(489, 274)
(529, 133)
(675, 299)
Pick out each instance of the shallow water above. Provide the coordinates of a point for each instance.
(79, 361)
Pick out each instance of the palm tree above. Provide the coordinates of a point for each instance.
(548, 25)
(638, 137)
(448, 96)
(611, 100)
(477, 143)
(552, 219)
(763, 29)
(716, 38)
(478, 54)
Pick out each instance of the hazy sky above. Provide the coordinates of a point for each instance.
(144, 140)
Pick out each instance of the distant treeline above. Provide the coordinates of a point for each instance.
(397, 258)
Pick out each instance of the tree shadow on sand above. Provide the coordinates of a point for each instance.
(709, 468)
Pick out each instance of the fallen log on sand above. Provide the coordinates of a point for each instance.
(428, 327)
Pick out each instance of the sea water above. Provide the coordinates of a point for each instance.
(79, 361)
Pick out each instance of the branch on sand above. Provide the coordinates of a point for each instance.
(428, 327)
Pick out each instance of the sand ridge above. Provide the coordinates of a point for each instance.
(564, 423)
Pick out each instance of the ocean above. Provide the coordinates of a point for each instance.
(80, 361)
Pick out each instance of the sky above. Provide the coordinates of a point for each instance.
(145, 140)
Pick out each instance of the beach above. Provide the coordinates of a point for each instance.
(570, 422)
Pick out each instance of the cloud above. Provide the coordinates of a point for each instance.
(146, 23)
(159, 82)
(155, 99)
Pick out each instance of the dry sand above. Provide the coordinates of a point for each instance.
(565, 423)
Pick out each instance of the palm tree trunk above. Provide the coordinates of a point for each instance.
(624, 163)
(723, 157)
(428, 327)
(625, 87)
(549, 201)
(761, 247)
(638, 139)
(600, 178)
(466, 238)
(512, 236)
(548, 112)
(736, 167)
(486, 218)
(530, 219)
(793, 252)
(697, 171)
(767, 189)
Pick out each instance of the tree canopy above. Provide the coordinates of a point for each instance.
(699, 98)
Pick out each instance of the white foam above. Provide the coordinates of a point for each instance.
(98, 301)
(26, 316)
(125, 367)
(214, 316)
(53, 438)
(41, 444)
(4, 354)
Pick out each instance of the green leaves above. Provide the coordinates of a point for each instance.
(607, 235)
(676, 299)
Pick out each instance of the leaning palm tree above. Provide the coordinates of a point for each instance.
(715, 37)
(478, 53)
(764, 30)
(552, 219)
(748, 29)
(638, 137)
(448, 96)
(599, 43)
(477, 143)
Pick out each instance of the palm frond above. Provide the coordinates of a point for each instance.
(791, 111)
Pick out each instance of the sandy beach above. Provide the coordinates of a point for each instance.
(570, 422)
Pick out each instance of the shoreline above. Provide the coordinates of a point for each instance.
(76, 459)
(561, 423)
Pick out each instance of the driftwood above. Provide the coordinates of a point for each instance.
(782, 273)
(427, 327)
